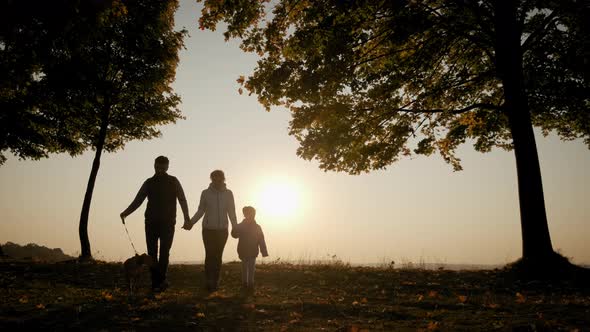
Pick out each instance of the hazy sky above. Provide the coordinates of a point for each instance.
(415, 210)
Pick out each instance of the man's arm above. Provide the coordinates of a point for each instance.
(232, 210)
(139, 198)
(182, 200)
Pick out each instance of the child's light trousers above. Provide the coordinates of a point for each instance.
(248, 270)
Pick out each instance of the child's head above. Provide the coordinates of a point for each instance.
(249, 212)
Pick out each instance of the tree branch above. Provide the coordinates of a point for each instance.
(455, 84)
(534, 35)
(413, 133)
(461, 29)
(457, 111)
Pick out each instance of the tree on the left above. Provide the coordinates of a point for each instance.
(81, 75)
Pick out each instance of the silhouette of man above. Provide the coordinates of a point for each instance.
(162, 190)
(216, 205)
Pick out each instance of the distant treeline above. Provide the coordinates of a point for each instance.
(34, 252)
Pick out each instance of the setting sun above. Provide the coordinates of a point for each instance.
(278, 199)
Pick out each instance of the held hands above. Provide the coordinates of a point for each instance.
(188, 225)
(234, 233)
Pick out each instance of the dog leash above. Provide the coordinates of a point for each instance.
(129, 236)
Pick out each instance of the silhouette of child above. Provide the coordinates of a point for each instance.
(251, 239)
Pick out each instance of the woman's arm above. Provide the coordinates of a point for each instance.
(201, 210)
(231, 210)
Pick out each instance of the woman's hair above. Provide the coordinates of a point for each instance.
(217, 173)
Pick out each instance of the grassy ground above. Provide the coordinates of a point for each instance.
(92, 296)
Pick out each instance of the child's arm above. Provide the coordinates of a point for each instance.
(262, 243)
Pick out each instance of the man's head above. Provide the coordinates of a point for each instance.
(249, 212)
(161, 164)
(217, 177)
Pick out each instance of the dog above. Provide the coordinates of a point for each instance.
(133, 268)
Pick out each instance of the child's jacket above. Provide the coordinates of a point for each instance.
(251, 238)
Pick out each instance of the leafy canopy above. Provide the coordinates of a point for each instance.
(368, 82)
(74, 66)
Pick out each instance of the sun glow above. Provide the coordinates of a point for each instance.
(278, 199)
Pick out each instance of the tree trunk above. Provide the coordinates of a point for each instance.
(86, 252)
(1, 252)
(536, 241)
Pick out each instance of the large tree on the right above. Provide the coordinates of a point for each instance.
(369, 81)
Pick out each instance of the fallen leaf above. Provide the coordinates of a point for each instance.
(498, 324)
(432, 293)
(520, 298)
(107, 296)
(432, 326)
(200, 315)
(40, 306)
(322, 301)
(248, 306)
(24, 299)
(420, 297)
(364, 300)
(462, 298)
